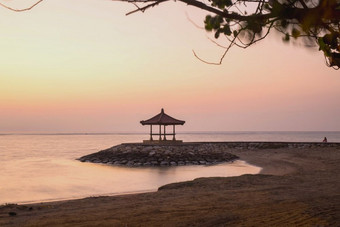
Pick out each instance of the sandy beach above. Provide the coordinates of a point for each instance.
(297, 187)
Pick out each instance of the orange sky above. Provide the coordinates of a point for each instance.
(83, 66)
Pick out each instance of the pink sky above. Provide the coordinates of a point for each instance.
(83, 66)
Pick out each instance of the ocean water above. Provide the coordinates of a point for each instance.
(43, 167)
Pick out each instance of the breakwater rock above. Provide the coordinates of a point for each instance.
(161, 155)
(200, 153)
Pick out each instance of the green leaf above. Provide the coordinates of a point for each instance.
(235, 33)
(324, 47)
(226, 29)
(229, 3)
(284, 23)
(207, 22)
(295, 33)
(286, 38)
(217, 34)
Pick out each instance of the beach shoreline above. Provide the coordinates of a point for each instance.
(297, 186)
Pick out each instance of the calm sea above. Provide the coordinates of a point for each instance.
(43, 167)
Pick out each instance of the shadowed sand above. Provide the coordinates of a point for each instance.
(297, 187)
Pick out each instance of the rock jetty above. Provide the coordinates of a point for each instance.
(200, 153)
(161, 155)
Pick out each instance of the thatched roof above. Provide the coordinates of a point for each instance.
(162, 119)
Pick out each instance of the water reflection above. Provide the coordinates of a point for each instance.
(65, 179)
(43, 167)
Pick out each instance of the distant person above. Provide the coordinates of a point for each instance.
(325, 140)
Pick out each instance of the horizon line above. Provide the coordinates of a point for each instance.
(141, 133)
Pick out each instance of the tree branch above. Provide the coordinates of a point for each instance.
(21, 10)
(142, 9)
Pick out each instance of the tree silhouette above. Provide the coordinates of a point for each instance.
(245, 22)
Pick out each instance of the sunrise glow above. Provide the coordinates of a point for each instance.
(83, 66)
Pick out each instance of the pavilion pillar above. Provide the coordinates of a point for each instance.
(174, 133)
(160, 132)
(151, 133)
(164, 133)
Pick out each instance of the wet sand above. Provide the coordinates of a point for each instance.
(297, 187)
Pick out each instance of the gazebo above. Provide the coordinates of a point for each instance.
(162, 119)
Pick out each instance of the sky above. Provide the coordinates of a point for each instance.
(84, 66)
